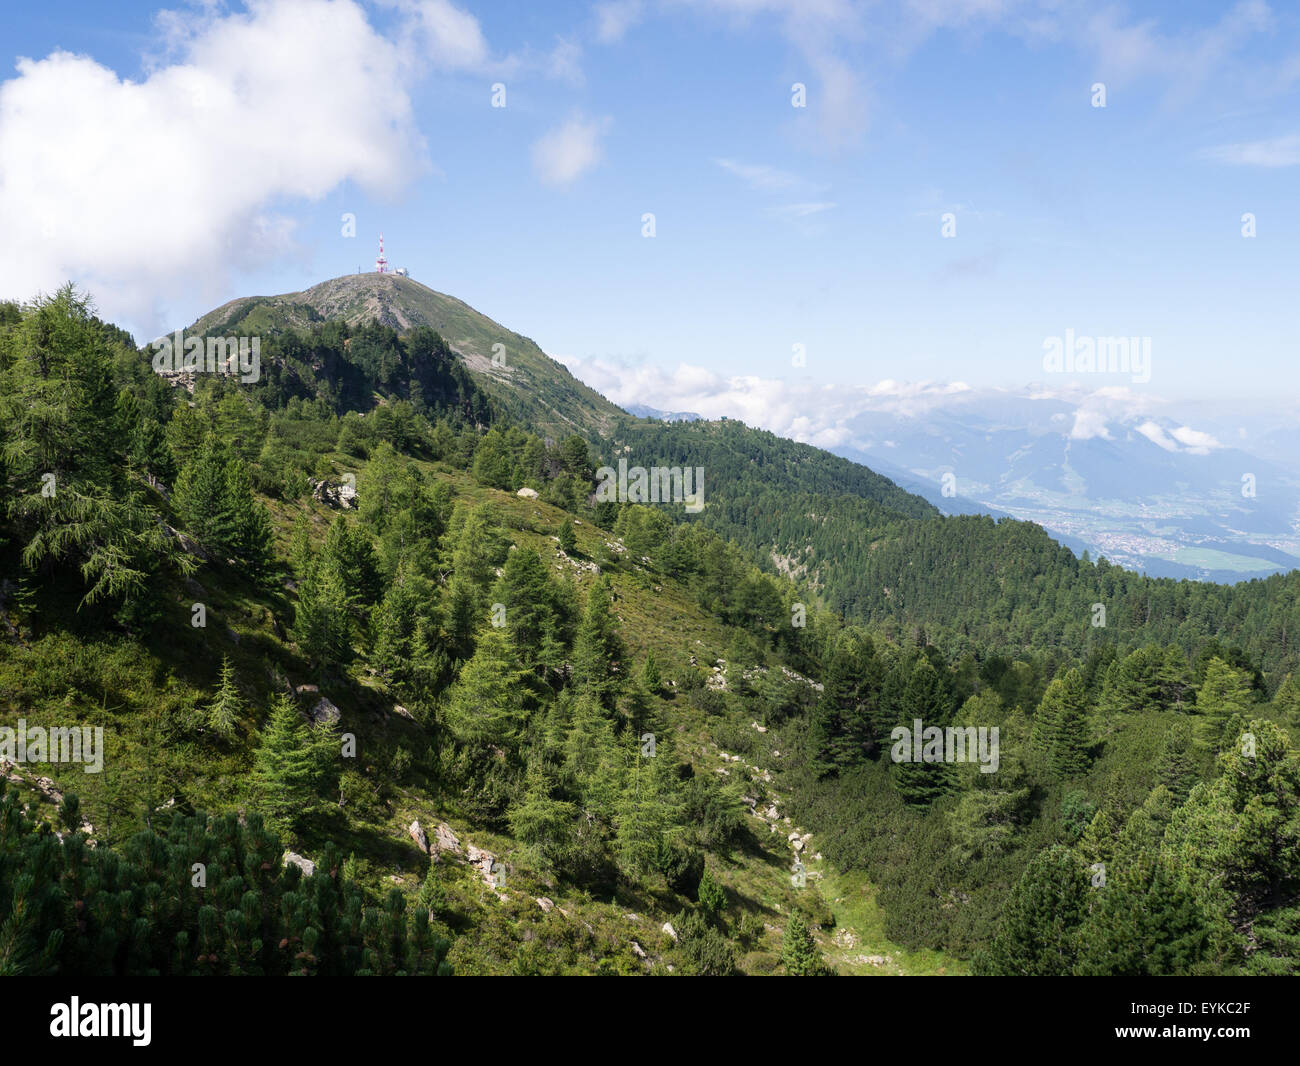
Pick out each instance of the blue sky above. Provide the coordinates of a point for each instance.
(775, 225)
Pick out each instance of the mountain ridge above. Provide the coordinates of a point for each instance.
(528, 384)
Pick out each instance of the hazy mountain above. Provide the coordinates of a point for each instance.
(1148, 491)
(642, 410)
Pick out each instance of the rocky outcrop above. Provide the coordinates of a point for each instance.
(445, 840)
(292, 858)
(339, 494)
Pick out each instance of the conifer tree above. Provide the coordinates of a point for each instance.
(322, 621)
(228, 705)
(921, 780)
(598, 649)
(799, 952)
(287, 769)
(568, 537)
(1061, 725)
(1038, 933)
(484, 706)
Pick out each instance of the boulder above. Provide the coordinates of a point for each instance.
(418, 835)
(527, 493)
(324, 712)
(445, 840)
(546, 904)
(292, 858)
(483, 861)
(668, 928)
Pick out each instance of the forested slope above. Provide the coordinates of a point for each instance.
(539, 733)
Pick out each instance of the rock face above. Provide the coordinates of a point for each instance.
(418, 835)
(483, 860)
(292, 858)
(324, 712)
(445, 840)
(340, 494)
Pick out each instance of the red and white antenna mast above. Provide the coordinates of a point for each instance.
(381, 264)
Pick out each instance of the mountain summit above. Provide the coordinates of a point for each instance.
(527, 383)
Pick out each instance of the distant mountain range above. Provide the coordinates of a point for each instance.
(643, 411)
(1148, 491)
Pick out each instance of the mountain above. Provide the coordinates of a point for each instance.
(871, 550)
(527, 384)
(1146, 491)
(644, 411)
(417, 699)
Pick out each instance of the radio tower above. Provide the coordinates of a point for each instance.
(381, 264)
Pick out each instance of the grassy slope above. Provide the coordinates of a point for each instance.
(494, 932)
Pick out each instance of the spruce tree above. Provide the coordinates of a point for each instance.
(287, 770)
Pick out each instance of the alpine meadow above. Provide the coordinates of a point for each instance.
(884, 561)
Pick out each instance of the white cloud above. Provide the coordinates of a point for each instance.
(615, 18)
(1157, 436)
(451, 38)
(565, 63)
(800, 210)
(565, 153)
(1278, 152)
(143, 190)
(1195, 441)
(1089, 424)
(761, 177)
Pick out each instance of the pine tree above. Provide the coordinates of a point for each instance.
(228, 705)
(1061, 726)
(203, 498)
(568, 537)
(288, 768)
(1287, 699)
(799, 952)
(1150, 929)
(1038, 933)
(923, 781)
(598, 649)
(484, 706)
